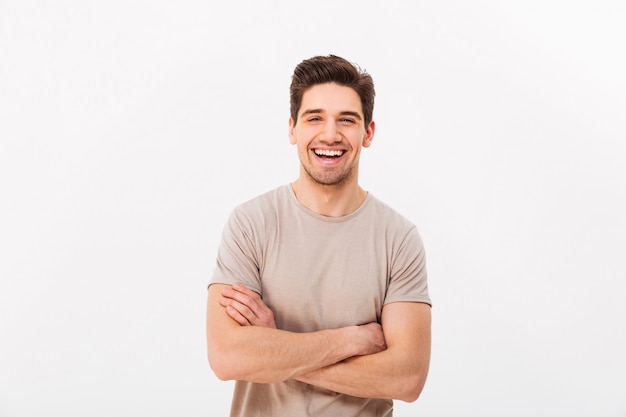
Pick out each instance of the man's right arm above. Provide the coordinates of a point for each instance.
(267, 355)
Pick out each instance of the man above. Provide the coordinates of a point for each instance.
(318, 304)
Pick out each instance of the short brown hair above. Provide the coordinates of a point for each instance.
(328, 69)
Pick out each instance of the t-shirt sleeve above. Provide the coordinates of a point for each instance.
(408, 278)
(238, 254)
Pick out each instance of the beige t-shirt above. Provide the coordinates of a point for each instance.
(316, 272)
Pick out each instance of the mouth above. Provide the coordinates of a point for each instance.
(329, 153)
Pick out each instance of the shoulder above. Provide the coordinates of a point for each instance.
(261, 208)
(388, 216)
(270, 200)
(397, 230)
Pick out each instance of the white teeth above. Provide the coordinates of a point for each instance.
(328, 152)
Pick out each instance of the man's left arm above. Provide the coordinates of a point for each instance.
(399, 372)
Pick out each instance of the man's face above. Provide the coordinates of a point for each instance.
(330, 133)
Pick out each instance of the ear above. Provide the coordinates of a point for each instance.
(292, 135)
(369, 134)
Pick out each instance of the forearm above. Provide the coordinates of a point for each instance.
(269, 355)
(381, 375)
(266, 354)
(399, 372)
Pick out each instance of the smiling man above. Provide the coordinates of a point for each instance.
(318, 304)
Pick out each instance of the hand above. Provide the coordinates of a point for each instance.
(371, 338)
(367, 339)
(246, 307)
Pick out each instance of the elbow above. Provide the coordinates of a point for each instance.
(411, 388)
(219, 365)
(221, 373)
(410, 396)
(229, 366)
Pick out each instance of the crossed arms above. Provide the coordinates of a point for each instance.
(387, 360)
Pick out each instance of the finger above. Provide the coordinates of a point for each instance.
(250, 305)
(242, 309)
(235, 315)
(248, 298)
(239, 292)
(245, 306)
(245, 311)
(246, 291)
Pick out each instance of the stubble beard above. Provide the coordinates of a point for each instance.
(329, 179)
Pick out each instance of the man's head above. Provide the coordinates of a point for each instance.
(329, 69)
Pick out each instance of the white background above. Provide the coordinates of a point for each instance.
(130, 129)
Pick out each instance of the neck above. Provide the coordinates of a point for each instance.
(329, 200)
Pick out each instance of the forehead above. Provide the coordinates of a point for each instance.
(331, 98)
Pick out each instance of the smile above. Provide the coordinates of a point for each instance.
(328, 152)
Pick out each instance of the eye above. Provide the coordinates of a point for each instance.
(347, 121)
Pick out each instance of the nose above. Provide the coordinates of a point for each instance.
(330, 133)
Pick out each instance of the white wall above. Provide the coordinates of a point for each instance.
(129, 129)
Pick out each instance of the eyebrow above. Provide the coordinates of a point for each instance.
(343, 113)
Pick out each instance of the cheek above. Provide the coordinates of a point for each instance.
(302, 138)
